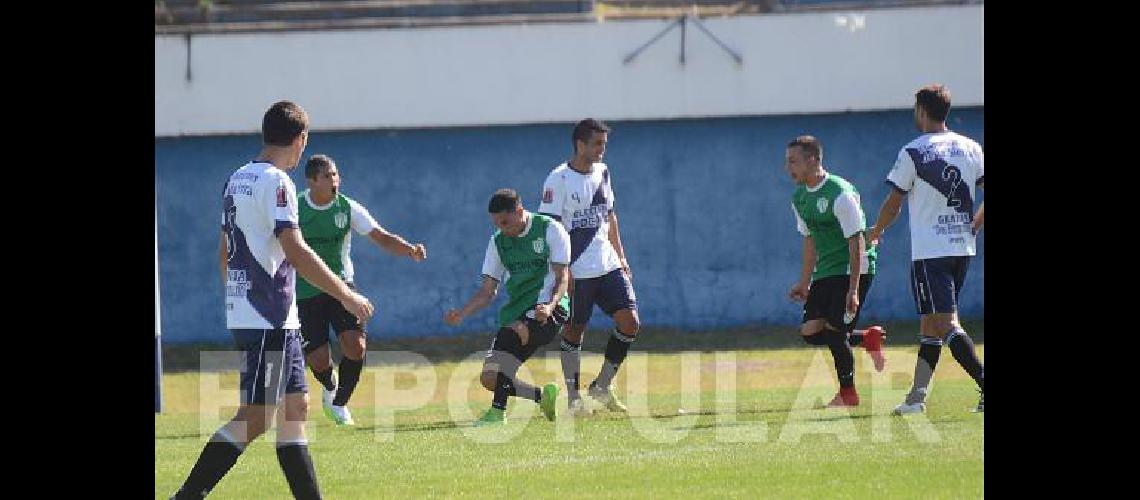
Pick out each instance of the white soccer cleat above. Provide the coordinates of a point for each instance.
(341, 415)
(908, 408)
(577, 408)
(606, 397)
(327, 397)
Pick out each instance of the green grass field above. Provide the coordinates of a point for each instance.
(748, 427)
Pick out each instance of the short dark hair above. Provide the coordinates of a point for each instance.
(316, 164)
(808, 144)
(504, 200)
(282, 123)
(935, 100)
(585, 129)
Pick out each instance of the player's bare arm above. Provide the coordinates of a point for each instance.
(615, 240)
(855, 247)
(979, 217)
(561, 278)
(799, 291)
(887, 215)
(397, 245)
(224, 257)
(482, 298)
(316, 272)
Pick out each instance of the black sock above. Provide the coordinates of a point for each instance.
(841, 353)
(349, 375)
(505, 387)
(616, 350)
(299, 473)
(929, 348)
(571, 366)
(962, 347)
(855, 338)
(325, 378)
(817, 339)
(217, 458)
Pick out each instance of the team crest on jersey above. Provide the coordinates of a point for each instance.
(548, 195)
(821, 204)
(341, 220)
(538, 245)
(282, 200)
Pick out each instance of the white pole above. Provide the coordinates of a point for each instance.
(157, 320)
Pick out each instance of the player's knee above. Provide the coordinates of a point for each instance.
(952, 324)
(488, 379)
(253, 431)
(354, 350)
(940, 325)
(297, 408)
(320, 366)
(318, 360)
(808, 330)
(630, 327)
(628, 323)
(251, 423)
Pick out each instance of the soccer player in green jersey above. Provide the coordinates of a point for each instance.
(327, 216)
(531, 252)
(837, 265)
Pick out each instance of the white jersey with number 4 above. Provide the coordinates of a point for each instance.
(582, 203)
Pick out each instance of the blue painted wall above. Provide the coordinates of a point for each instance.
(703, 206)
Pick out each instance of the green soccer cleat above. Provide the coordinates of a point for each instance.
(549, 397)
(493, 416)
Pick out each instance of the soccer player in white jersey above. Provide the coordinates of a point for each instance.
(261, 252)
(578, 193)
(936, 173)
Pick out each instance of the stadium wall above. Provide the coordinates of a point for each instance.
(704, 206)
(552, 73)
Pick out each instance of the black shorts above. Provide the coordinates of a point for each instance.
(611, 291)
(320, 312)
(507, 342)
(272, 365)
(827, 300)
(936, 283)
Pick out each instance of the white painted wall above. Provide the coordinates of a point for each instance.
(486, 75)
